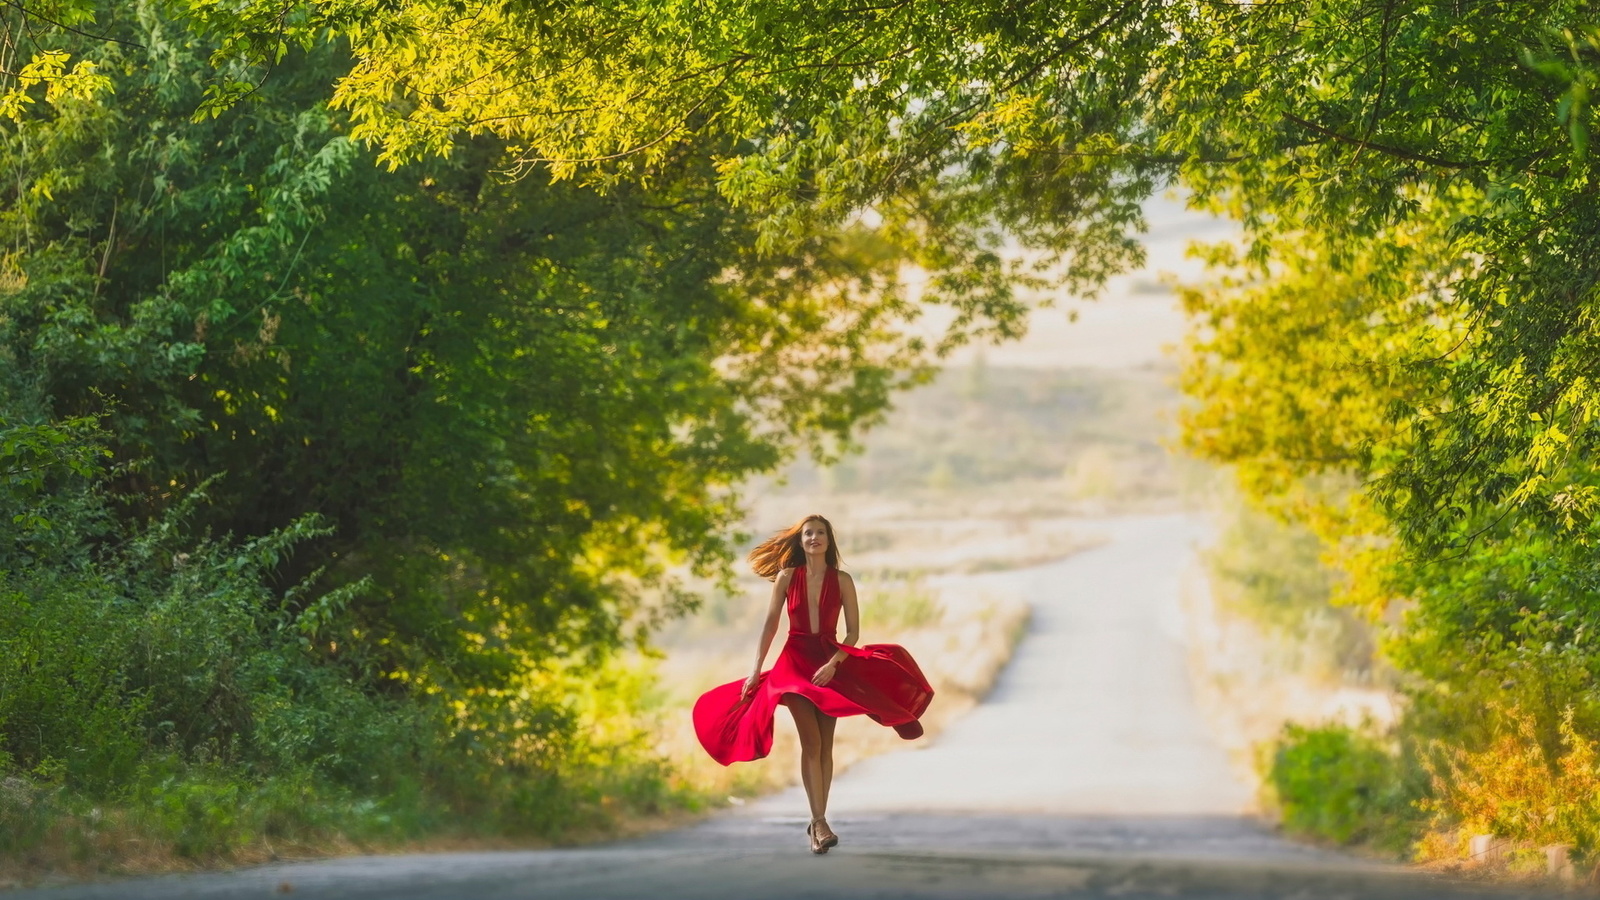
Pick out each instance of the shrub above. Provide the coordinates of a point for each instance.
(1344, 785)
(158, 691)
(1513, 789)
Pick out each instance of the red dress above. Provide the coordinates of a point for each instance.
(881, 681)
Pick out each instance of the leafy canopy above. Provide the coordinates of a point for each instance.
(1355, 124)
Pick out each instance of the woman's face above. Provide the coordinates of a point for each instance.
(814, 538)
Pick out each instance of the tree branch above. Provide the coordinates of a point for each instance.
(1385, 149)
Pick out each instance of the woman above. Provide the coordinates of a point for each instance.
(818, 677)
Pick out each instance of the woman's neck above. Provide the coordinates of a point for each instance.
(816, 563)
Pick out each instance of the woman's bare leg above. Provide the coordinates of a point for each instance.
(825, 726)
(805, 723)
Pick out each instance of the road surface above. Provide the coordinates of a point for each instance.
(1087, 773)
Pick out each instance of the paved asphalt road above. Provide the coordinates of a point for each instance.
(1087, 773)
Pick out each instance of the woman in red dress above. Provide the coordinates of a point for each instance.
(817, 676)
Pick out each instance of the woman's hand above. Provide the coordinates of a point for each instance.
(749, 686)
(824, 674)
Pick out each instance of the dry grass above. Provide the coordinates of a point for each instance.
(897, 546)
(1249, 683)
(1510, 789)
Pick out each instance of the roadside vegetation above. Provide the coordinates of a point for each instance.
(1348, 753)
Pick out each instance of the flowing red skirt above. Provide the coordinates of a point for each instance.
(880, 681)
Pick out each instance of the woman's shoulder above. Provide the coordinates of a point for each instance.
(843, 576)
(784, 576)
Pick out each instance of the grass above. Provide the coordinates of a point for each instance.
(191, 820)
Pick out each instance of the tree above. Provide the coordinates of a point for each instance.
(1351, 119)
(515, 406)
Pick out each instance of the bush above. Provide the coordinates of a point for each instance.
(1513, 789)
(1344, 785)
(156, 692)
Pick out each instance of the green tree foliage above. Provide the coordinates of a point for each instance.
(320, 470)
(1380, 132)
(1400, 357)
(499, 394)
(1434, 141)
(950, 121)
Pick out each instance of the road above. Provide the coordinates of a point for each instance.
(1087, 773)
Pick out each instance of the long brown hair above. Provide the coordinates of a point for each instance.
(783, 550)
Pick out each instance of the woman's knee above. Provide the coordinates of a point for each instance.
(805, 722)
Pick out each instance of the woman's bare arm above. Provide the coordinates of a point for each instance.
(852, 616)
(769, 630)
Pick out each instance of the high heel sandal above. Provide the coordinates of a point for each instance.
(831, 840)
(817, 846)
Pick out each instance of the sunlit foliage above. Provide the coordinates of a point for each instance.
(322, 472)
(687, 271)
(1380, 132)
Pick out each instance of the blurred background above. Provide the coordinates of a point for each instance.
(1020, 455)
